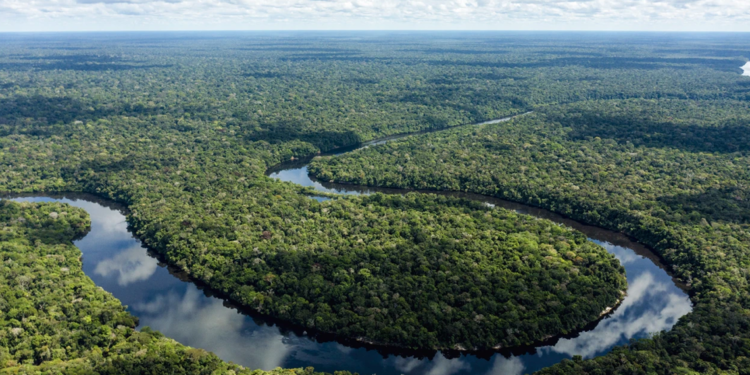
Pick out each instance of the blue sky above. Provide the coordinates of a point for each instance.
(647, 15)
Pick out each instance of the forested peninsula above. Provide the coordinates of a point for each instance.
(55, 320)
(181, 130)
(420, 272)
(671, 173)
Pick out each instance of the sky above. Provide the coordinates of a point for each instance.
(121, 15)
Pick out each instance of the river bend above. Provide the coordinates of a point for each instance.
(167, 301)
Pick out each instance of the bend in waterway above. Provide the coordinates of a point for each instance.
(645, 271)
(168, 301)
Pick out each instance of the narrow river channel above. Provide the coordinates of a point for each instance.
(167, 301)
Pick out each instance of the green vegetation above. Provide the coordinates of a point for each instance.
(672, 173)
(416, 272)
(53, 319)
(637, 133)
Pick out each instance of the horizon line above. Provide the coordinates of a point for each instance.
(379, 30)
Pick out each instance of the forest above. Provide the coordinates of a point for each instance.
(55, 320)
(669, 172)
(638, 133)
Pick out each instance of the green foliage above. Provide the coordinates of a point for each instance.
(417, 271)
(55, 320)
(181, 130)
(679, 186)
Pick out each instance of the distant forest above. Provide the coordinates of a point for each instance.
(635, 132)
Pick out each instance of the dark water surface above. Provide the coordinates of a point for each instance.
(167, 301)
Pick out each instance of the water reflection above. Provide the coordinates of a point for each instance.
(650, 306)
(296, 170)
(654, 301)
(181, 310)
(192, 318)
(438, 365)
(506, 366)
(300, 174)
(443, 366)
(128, 266)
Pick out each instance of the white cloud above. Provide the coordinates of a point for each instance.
(624, 255)
(190, 320)
(506, 366)
(437, 366)
(406, 365)
(444, 366)
(129, 266)
(660, 311)
(371, 14)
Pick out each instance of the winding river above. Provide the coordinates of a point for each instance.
(168, 301)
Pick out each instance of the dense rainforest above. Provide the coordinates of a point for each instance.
(55, 320)
(633, 132)
(672, 173)
(418, 272)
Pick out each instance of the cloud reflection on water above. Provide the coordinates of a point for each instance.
(195, 320)
(625, 256)
(181, 311)
(131, 265)
(406, 365)
(646, 309)
(506, 366)
(437, 366)
(108, 221)
(301, 177)
(444, 366)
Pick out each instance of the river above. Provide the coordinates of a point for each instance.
(168, 301)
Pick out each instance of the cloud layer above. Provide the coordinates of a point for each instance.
(375, 14)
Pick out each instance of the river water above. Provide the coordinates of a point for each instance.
(168, 301)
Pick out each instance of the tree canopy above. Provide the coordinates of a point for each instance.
(643, 134)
